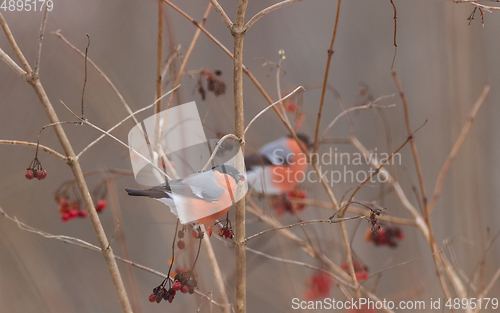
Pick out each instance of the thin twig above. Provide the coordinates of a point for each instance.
(127, 146)
(13, 65)
(217, 147)
(413, 145)
(482, 6)
(40, 40)
(219, 279)
(371, 104)
(15, 47)
(337, 278)
(188, 54)
(325, 80)
(103, 75)
(131, 115)
(267, 11)
(456, 147)
(272, 105)
(85, 80)
(426, 213)
(159, 57)
(34, 144)
(355, 210)
(378, 168)
(222, 14)
(114, 205)
(333, 221)
(86, 245)
(395, 32)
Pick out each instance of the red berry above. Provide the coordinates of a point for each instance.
(181, 244)
(185, 289)
(209, 230)
(73, 213)
(65, 217)
(152, 298)
(101, 205)
(177, 286)
(82, 214)
(229, 233)
(195, 234)
(360, 276)
(29, 174)
(41, 174)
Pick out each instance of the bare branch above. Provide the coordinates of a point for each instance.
(325, 79)
(222, 14)
(131, 115)
(305, 223)
(40, 40)
(86, 245)
(13, 65)
(217, 147)
(34, 144)
(371, 104)
(113, 87)
(456, 147)
(267, 11)
(15, 47)
(272, 105)
(337, 278)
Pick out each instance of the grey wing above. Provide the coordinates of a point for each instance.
(277, 152)
(200, 185)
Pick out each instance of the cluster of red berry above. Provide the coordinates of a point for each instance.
(319, 286)
(226, 231)
(35, 170)
(183, 282)
(360, 269)
(214, 84)
(282, 204)
(387, 235)
(71, 209)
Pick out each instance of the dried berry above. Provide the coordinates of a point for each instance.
(181, 244)
(29, 174)
(180, 234)
(176, 286)
(152, 297)
(185, 289)
(229, 233)
(40, 174)
(195, 234)
(65, 217)
(101, 205)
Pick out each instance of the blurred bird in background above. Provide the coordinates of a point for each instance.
(278, 166)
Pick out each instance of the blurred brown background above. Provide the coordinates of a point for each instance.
(443, 64)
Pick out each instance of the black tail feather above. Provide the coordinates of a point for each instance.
(152, 193)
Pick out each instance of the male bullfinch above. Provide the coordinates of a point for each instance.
(278, 166)
(199, 198)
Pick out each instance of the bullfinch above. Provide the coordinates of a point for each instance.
(199, 198)
(278, 166)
